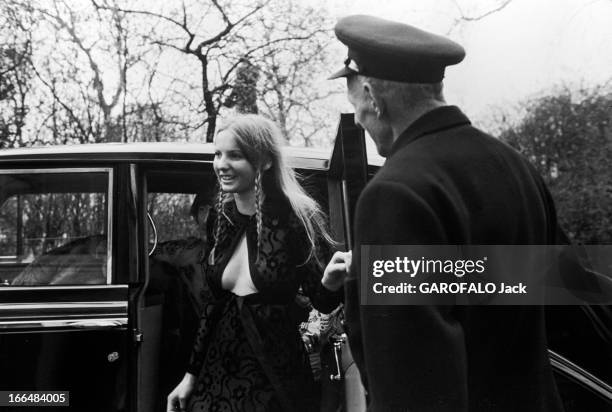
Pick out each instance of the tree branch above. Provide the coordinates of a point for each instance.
(142, 12)
(228, 24)
(57, 99)
(464, 17)
(71, 29)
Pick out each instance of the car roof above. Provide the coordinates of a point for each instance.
(298, 157)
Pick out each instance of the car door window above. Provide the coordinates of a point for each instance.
(171, 213)
(54, 227)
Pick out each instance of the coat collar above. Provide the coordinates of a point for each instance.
(433, 121)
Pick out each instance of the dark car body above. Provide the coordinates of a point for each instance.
(91, 303)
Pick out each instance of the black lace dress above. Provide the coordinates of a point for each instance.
(248, 354)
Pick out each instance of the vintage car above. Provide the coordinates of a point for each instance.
(100, 282)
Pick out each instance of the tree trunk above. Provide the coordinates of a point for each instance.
(209, 105)
(282, 114)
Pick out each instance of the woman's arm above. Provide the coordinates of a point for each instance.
(324, 293)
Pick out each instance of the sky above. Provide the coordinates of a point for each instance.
(526, 50)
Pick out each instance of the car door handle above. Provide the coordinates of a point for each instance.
(338, 342)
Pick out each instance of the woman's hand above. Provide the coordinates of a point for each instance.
(177, 400)
(336, 271)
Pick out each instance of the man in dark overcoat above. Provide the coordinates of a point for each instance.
(443, 182)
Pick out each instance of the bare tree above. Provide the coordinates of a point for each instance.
(107, 70)
(294, 85)
(15, 73)
(82, 62)
(65, 19)
(222, 36)
(480, 13)
(198, 41)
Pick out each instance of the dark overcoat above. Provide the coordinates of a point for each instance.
(446, 182)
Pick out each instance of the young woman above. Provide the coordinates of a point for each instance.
(248, 354)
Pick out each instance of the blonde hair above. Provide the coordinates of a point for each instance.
(260, 140)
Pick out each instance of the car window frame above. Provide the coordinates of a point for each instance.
(109, 211)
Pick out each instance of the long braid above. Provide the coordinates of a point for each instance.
(258, 207)
(219, 210)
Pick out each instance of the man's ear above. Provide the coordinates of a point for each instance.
(376, 101)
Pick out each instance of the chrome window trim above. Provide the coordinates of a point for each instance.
(109, 227)
(46, 314)
(43, 318)
(106, 323)
(580, 375)
(66, 287)
(56, 170)
(109, 201)
(63, 305)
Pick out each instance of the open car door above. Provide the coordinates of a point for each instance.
(348, 175)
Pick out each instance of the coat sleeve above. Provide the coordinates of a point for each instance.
(209, 313)
(310, 270)
(423, 345)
